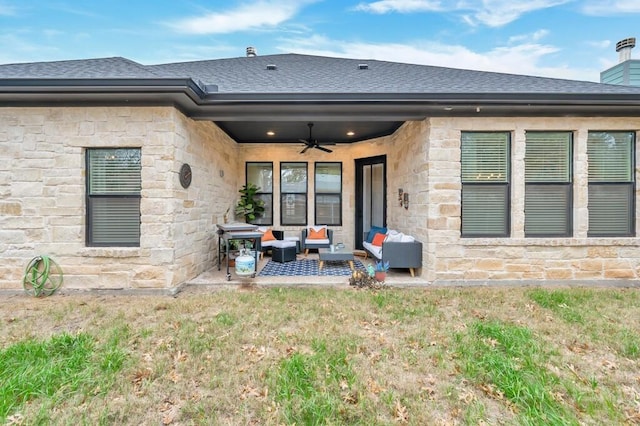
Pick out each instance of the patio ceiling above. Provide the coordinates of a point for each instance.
(292, 131)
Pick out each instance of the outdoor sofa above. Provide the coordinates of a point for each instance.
(400, 250)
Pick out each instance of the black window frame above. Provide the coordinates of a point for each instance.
(607, 188)
(330, 194)
(92, 198)
(488, 184)
(262, 194)
(284, 195)
(566, 188)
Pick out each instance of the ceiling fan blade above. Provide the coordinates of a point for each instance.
(304, 141)
(305, 149)
(323, 148)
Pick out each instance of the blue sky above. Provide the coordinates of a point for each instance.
(555, 38)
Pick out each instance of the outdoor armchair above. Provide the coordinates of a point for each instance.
(310, 239)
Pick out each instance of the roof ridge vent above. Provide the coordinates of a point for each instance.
(363, 66)
(272, 67)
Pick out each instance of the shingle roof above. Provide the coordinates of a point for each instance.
(296, 73)
(247, 96)
(301, 74)
(115, 67)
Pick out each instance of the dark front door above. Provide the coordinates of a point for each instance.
(371, 195)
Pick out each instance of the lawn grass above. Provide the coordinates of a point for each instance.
(283, 356)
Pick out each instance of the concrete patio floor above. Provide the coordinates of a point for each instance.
(217, 279)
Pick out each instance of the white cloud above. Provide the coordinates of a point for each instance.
(492, 13)
(401, 6)
(525, 58)
(249, 16)
(497, 13)
(610, 7)
(535, 36)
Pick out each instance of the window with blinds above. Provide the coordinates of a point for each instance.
(485, 161)
(113, 197)
(611, 184)
(548, 184)
(261, 175)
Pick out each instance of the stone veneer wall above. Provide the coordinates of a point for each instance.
(42, 197)
(42, 194)
(519, 259)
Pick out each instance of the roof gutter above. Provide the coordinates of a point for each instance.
(204, 102)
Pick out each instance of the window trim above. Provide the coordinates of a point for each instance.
(316, 194)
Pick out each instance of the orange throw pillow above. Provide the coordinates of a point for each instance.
(320, 234)
(378, 239)
(268, 235)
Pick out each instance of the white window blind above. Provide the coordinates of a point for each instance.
(114, 171)
(485, 157)
(610, 158)
(548, 192)
(610, 209)
(547, 210)
(484, 210)
(113, 192)
(611, 184)
(548, 157)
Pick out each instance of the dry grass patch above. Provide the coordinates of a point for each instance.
(331, 356)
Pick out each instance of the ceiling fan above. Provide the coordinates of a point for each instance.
(313, 143)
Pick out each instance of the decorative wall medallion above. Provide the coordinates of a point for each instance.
(185, 175)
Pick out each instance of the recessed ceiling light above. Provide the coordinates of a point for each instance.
(448, 108)
(350, 133)
(271, 133)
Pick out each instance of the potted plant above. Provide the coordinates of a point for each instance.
(249, 206)
(380, 270)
